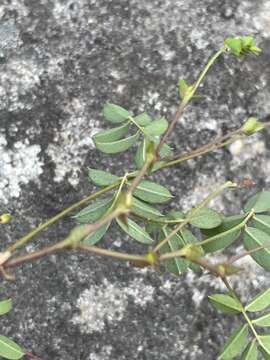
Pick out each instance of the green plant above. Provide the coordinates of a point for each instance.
(135, 205)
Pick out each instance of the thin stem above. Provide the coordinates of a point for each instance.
(236, 227)
(59, 216)
(206, 69)
(175, 120)
(137, 125)
(139, 177)
(246, 253)
(186, 100)
(244, 313)
(207, 200)
(111, 253)
(61, 246)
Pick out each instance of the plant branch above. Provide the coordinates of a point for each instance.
(187, 99)
(59, 216)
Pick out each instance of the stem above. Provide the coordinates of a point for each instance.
(246, 253)
(206, 69)
(111, 253)
(137, 125)
(59, 216)
(187, 99)
(61, 246)
(236, 227)
(244, 313)
(208, 199)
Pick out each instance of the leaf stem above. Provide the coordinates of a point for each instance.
(208, 199)
(236, 227)
(244, 313)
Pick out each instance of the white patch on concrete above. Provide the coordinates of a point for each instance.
(107, 303)
(72, 143)
(205, 186)
(262, 19)
(104, 354)
(18, 166)
(17, 80)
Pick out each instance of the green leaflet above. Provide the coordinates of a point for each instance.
(183, 88)
(263, 321)
(254, 238)
(206, 218)
(94, 211)
(157, 127)
(9, 349)
(142, 119)
(102, 178)
(178, 265)
(262, 222)
(251, 351)
(152, 192)
(135, 231)
(111, 135)
(115, 113)
(260, 302)
(224, 235)
(140, 156)
(259, 202)
(264, 353)
(234, 345)
(95, 237)
(225, 303)
(144, 210)
(5, 306)
(115, 147)
(265, 343)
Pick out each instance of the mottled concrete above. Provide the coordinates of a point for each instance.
(59, 62)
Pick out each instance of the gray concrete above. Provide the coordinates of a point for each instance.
(59, 62)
